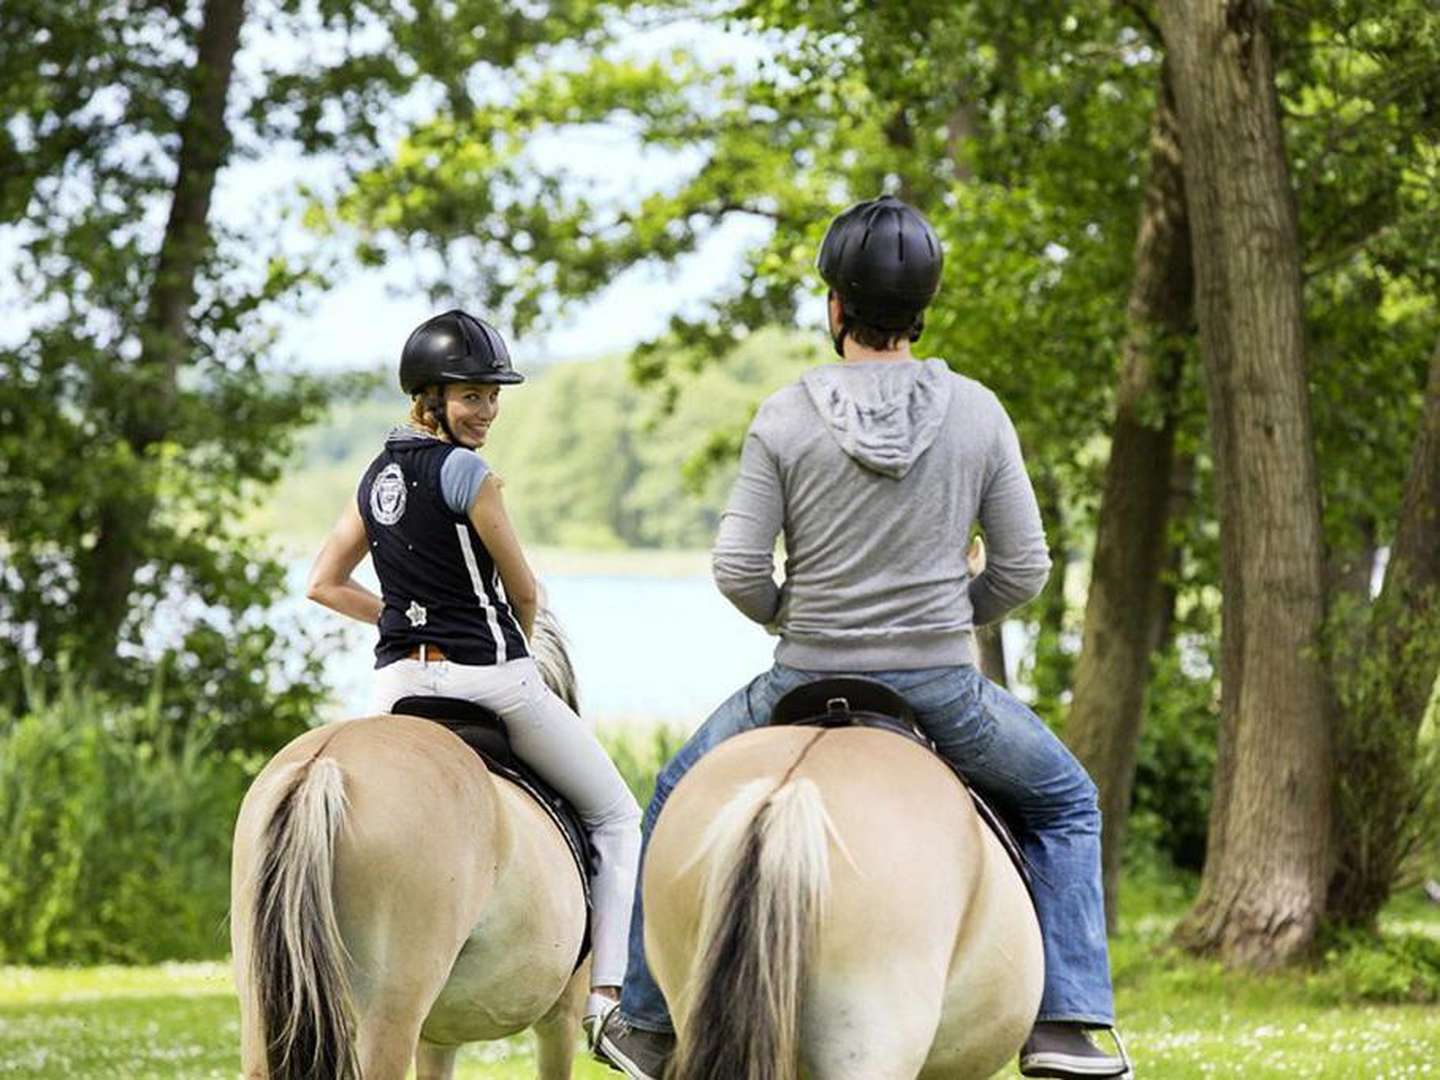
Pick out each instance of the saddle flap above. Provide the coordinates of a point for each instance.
(484, 732)
(477, 726)
(833, 701)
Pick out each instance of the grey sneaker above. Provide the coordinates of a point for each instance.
(1065, 1051)
(639, 1054)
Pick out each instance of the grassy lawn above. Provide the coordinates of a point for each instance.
(1183, 1018)
(171, 1021)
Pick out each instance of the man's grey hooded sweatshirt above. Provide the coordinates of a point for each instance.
(876, 471)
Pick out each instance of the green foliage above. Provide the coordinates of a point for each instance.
(1390, 969)
(138, 409)
(640, 754)
(1174, 771)
(114, 833)
(142, 406)
(1386, 788)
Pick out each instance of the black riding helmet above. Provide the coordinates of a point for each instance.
(455, 347)
(883, 260)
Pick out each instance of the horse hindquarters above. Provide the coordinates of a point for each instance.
(999, 945)
(396, 877)
(897, 957)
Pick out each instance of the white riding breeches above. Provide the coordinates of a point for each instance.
(550, 738)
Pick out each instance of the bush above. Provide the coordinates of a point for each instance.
(1170, 807)
(640, 754)
(1390, 968)
(114, 833)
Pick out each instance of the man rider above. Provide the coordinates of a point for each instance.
(876, 468)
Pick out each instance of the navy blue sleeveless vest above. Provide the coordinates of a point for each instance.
(438, 582)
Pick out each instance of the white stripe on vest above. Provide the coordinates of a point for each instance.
(467, 550)
(499, 584)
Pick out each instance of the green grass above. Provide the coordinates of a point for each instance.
(1187, 1018)
(1183, 1018)
(170, 1021)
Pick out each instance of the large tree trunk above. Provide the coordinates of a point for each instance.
(1398, 664)
(1126, 600)
(124, 517)
(1269, 850)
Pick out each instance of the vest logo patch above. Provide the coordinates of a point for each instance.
(416, 613)
(387, 495)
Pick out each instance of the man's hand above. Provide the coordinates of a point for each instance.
(975, 557)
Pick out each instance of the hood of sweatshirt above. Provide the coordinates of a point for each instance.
(405, 435)
(883, 413)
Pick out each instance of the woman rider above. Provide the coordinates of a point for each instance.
(458, 600)
(876, 468)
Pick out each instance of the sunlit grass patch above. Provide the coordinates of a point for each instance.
(22, 985)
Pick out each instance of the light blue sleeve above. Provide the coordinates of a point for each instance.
(460, 478)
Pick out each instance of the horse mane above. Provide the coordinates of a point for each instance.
(551, 650)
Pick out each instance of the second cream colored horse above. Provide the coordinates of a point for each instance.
(391, 900)
(827, 903)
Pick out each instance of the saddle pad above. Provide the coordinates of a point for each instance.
(484, 732)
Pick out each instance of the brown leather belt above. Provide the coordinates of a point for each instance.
(426, 653)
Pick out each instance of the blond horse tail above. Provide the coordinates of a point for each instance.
(765, 893)
(296, 958)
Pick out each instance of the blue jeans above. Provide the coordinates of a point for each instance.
(1014, 761)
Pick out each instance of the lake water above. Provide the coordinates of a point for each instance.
(645, 649)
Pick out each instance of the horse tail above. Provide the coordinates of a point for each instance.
(297, 959)
(551, 651)
(765, 893)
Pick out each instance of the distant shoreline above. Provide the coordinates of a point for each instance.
(629, 562)
(565, 562)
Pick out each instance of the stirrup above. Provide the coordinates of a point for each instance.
(1124, 1054)
(593, 1024)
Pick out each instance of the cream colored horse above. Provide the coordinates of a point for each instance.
(844, 914)
(391, 900)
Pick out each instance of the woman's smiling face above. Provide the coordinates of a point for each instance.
(470, 409)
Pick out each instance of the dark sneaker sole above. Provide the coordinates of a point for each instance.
(1067, 1067)
(608, 1055)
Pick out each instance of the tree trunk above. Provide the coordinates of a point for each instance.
(1401, 654)
(992, 653)
(901, 136)
(1053, 664)
(960, 128)
(166, 335)
(1178, 506)
(1269, 848)
(1126, 600)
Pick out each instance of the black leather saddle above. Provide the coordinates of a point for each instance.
(855, 701)
(484, 732)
